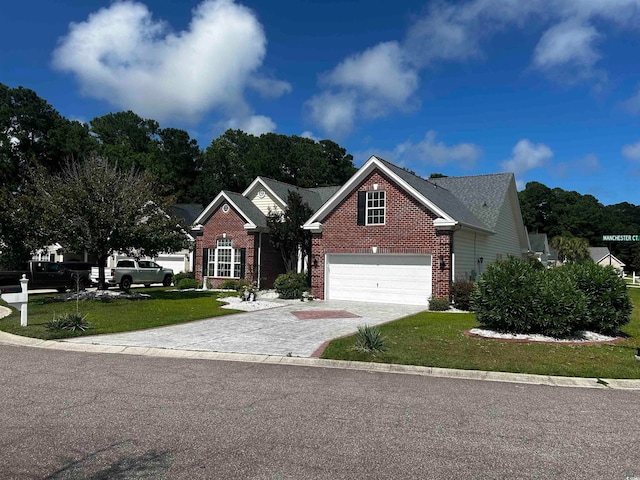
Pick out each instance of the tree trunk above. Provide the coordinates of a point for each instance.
(102, 262)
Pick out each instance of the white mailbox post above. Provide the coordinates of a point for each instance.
(19, 299)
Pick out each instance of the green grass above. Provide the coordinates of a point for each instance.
(163, 308)
(438, 340)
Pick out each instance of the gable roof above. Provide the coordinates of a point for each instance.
(252, 215)
(483, 195)
(314, 197)
(186, 212)
(600, 253)
(440, 200)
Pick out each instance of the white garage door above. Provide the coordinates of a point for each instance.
(175, 262)
(379, 278)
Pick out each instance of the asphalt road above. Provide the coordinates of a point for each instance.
(68, 415)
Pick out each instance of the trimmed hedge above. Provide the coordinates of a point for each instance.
(516, 296)
(291, 285)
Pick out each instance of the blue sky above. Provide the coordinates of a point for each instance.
(548, 89)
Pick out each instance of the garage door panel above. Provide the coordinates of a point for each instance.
(379, 278)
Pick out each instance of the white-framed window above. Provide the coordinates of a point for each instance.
(224, 261)
(376, 207)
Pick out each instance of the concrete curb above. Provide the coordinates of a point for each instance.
(605, 383)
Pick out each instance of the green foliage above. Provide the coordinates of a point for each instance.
(72, 322)
(291, 285)
(285, 233)
(571, 249)
(187, 283)
(461, 294)
(439, 304)
(95, 206)
(234, 159)
(179, 276)
(513, 296)
(231, 284)
(503, 296)
(369, 339)
(608, 303)
(559, 307)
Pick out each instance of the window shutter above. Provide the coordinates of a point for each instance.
(205, 261)
(243, 258)
(362, 203)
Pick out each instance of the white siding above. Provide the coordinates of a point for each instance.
(507, 240)
(264, 204)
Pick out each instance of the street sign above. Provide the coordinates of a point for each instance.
(621, 238)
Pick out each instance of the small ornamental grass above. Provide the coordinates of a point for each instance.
(369, 340)
(72, 322)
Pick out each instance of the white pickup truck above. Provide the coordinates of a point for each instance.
(130, 271)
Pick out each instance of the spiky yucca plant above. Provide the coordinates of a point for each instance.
(370, 340)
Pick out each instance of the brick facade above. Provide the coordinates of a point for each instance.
(408, 229)
(231, 225)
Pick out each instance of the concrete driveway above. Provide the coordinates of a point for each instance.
(295, 328)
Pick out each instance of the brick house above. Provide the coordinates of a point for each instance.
(390, 236)
(232, 238)
(385, 236)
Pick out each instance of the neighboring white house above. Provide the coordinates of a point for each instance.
(182, 261)
(602, 256)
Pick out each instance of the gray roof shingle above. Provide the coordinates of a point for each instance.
(440, 193)
(537, 241)
(248, 208)
(315, 197)
(483, 195)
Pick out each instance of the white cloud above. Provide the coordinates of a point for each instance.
(384, 78)
(380, 74)
(309, 134)
(121, 54)
(369, 84)
(568, 45)
(432, 152)
(632, 151)
(527, 156)
(254, 124)
(333, 113)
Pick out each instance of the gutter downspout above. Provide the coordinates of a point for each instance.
(259, 269)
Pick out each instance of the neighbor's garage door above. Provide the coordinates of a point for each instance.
(379, 278)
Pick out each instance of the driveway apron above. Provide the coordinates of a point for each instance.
(296, 328)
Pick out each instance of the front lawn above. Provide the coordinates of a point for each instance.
(437, 340)
(163, 308)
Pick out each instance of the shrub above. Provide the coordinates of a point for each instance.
(560, 307)
(607, 299)
(439, 304)
(230, 285)
(291, 285)
(179, 276)
(504, 296)
(369, 340)
(187, 283)
(461, 294)
(72, 322)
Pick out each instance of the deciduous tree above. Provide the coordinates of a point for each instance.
(96, 206)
